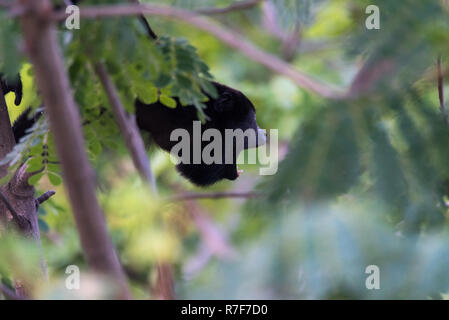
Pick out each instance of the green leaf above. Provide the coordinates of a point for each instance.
(53, 167)
(167, 101)
(162, 81)
(34, 179)
(183, 81)
(147, 94)
(34, 164)
(54, 178)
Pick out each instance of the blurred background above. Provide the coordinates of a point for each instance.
(362, 180)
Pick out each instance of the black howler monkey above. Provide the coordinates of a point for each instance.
(231, 109)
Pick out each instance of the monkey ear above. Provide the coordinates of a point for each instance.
(225, 102)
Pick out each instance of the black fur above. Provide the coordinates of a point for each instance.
(24, 122)
(230, 110)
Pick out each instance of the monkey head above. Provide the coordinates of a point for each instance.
(231, 124)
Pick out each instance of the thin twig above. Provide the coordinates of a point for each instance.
(136, 147)
(214, 195)
(44, 197)
(232, 39)
(441, 92)
(241, 5)
(145, 23)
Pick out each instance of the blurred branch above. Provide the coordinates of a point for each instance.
(241, 5)
(213, 237)
(291, 39)
(270, 20)
(9, 293)
(43, 50)
(232, 39)
(128, 128)
(441, 92)
(290, 43)
(135, 145)
(214, 241)
(6, 4)
(164, 283)
(214, 195)
(369, 75)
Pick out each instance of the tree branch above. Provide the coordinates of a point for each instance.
(22, 223)
(42, 47)
(369, 75)
(8, 205)
(241, 5)
(232, 39)
(164, 282)
(441, 92)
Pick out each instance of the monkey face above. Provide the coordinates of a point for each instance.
(231, 128)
